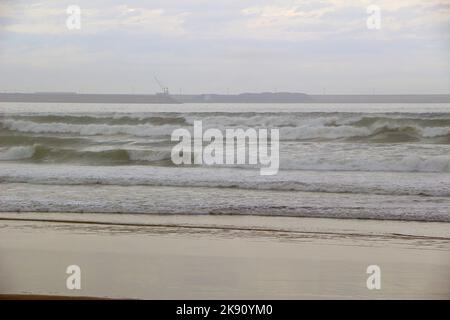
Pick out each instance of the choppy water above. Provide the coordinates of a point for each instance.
(362, 161)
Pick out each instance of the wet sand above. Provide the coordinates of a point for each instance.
(220, 257)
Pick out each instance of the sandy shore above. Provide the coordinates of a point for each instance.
(220, 257)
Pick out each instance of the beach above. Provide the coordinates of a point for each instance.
(221, 257)
(224, 150)
(359, 187)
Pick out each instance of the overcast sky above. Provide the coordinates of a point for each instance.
(205, 46)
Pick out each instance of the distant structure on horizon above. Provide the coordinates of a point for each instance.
(264, 97)
(165, 89)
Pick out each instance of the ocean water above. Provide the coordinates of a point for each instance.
(374, 161)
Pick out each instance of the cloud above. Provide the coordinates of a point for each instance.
(275, 19)
(305, 20)
(205, 45)
(49, 18)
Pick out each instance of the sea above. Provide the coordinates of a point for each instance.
(362, 161)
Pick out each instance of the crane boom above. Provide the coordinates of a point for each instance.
(165, 90)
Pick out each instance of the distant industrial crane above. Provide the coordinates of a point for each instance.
(165, 90)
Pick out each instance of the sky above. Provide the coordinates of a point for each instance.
(226, 46)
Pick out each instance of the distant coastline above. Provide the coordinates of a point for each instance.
(264, 97)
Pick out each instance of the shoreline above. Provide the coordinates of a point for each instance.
(236, 228)
(239, 222)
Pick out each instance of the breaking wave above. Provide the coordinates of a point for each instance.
(381, 128)
(17, 153)
(116, 138)
(39, 153)
(87, 129)
(115, 156)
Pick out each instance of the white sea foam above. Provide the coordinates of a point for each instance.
(87, 129)
(179, 200)
(17, 153)
(410, 163)
(309, 181)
